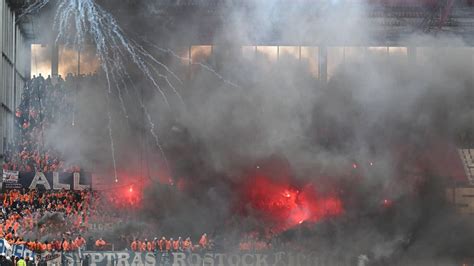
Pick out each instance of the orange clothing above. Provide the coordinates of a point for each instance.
(72, 246)
(15, 226)
(80, 241)
(150, 246)
(30, 245)
(99, 243)
(175, 245)
(168, 245)
(203, 241)
(65, 246)
(244, 246)
(8, 223)
(56, 245)
(143, 246)
(161, 244)
(134, 246)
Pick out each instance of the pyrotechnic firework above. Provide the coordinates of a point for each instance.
(345, 179)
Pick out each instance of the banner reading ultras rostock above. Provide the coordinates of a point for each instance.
(51, 180)
(201, 259)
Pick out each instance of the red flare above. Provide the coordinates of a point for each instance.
(284, 205)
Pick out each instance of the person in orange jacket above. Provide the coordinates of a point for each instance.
(150, 246)
(143, 245)
(168, 244)
(162, 244)
(100, 244)
(176, 244)
(65, 245)
(203, 242)
(49, 246)
(30, 244)
(134, 245)
(80, 242)
(139, 245)
(19, 241)
(9, 236)
(44, 247)
(72, 245)
(56, 245)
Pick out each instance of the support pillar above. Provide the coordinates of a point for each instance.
(411, 52)
(78, 62)
(54, 60)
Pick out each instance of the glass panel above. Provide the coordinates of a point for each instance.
(377, 51)
(179, 61)
(310, 57)
(398, 51)
(248, 52)
(355, 53)
(40, 60)
(89, 62)
(268, 52)
(424, 54)
(181, 55)
(67, 61)
(200, 53)
(289, 51)
(335, 58)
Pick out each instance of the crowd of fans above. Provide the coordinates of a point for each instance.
(58, 217)
(44, 102)
(59, 221)
(170, 245)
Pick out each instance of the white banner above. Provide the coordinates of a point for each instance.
(10, 176)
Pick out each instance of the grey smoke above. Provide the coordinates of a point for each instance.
(384, 110)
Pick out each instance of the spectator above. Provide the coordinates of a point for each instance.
(134, 245)
(80, 242)
(100, 244)
(176, 244)
(187, 245)
(21, 262)
(203, 242)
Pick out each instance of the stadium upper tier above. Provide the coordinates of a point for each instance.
(388, 21)
(211, 3)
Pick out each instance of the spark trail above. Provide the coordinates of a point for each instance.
(79, 21)
(84, 21)
(206, 67)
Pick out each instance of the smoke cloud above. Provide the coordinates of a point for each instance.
(371, 135)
